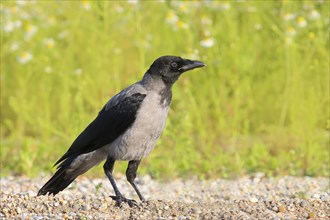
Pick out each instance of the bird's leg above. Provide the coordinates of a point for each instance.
(119, 198)
(131, 174)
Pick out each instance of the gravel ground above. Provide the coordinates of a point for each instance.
(254, 197)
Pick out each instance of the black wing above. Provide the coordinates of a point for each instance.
(110, 123)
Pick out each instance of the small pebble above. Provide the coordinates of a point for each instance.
(275, 209)
(323, 198)
(18, 210)
(311, 215)
(304, 203)
(253, 200)
(305, 215)
(316, 196)
(291, 208)
(281, 208)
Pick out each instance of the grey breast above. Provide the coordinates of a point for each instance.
(141, 137)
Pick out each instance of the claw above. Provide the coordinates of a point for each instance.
(120, 200)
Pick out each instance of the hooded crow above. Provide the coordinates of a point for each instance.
(127, 128)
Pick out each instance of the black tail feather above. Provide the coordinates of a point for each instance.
(59, 181)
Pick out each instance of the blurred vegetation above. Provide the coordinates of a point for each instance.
(260, 105)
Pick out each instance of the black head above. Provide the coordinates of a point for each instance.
(169, 68)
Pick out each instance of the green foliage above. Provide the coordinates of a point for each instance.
(260, 105)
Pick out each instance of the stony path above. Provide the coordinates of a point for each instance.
(245, 198)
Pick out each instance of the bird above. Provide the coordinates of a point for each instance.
(126, 129)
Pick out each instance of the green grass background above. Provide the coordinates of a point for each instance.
(260, 105)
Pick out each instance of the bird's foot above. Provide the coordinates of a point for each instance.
(119, 200)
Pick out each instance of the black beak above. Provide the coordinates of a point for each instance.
(191, 64)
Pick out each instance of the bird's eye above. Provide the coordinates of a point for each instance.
(174, 65)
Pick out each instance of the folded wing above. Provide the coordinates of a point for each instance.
(112, 121)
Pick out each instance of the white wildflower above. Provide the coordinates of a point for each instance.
(208, 42)
(183, 7)
(225, 6)
(132, 1)
(314, 15)
(18, 24)
(171, 17)
(301, 22)
(49, 42)
(181, 25)
(62, 34)
(291, 32)
(86, 5)
(9, 27)
(48, 70)
(12, 25)
(30, 30)
(14, 46)
(194, 55)
(24, 57)
(21, 2)
(289, 16)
